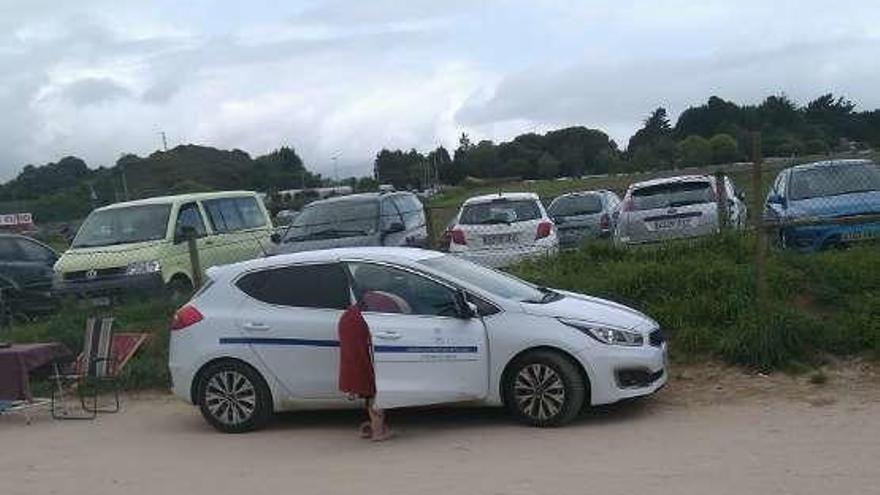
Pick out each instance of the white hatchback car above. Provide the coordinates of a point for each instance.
(501, 229)
(261, 336)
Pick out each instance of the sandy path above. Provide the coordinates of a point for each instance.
(766, 442)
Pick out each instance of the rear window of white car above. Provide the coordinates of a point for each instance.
(500, 211)
(301, 286)
(672, 194)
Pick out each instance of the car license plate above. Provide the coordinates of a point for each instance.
(861, 235)
(672, 223)
(491, 240)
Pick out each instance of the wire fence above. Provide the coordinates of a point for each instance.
(785, 208)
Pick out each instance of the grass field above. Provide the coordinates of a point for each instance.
(703, 294)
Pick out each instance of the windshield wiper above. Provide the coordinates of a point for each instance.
(329, 234)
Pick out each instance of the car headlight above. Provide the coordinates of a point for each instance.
(143, 267)
(605, 335)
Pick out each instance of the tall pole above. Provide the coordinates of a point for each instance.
(758, 220)
(164, 141)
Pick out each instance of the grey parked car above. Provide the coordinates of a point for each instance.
(584, 215)
(675, 208)
(367, 219)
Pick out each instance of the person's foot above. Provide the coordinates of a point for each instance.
(366, 431)
(383, 434)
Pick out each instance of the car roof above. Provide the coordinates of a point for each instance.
(178, 198)
(671, 180)
(360, 197)
(597, 192)
(513, 196)
(401, 255)
(831, 163)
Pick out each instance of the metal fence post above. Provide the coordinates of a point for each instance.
(758, 222)
(722, 201)
(192, 247)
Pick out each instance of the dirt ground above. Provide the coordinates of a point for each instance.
(713, 430)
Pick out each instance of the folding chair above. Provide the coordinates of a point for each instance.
(94, 367)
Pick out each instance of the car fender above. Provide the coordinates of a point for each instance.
(245, 354)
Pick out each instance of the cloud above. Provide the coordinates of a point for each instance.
(98, 78)
(94, 90)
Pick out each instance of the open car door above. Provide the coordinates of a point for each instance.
(424, 351)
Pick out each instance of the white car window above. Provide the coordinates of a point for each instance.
(384, 289)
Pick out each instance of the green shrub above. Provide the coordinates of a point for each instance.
(702, 293)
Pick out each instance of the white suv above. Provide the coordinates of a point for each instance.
(262, 337)
(500, 229)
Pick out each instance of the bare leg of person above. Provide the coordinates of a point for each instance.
(381, 431)
(366, 428)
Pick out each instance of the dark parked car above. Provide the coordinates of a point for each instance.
(366, 219)
(825, 191)
(584, 215)
(25, 275)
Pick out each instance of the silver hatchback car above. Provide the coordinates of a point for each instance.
(675, 208)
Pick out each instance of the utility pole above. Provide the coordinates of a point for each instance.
(164, 141)
(335, 157)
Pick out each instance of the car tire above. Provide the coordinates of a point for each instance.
(233, 397)
(544, 388)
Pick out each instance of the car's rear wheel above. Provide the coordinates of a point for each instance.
(233, 397)
(544, 388)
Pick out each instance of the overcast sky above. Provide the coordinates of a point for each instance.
(97, 79)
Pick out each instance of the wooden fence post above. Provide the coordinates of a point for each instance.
(721, 201)
(192, 246)
(757, 208)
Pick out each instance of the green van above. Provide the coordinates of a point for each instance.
(141, 244)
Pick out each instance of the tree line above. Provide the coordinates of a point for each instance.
(68, 189)
(718, 131)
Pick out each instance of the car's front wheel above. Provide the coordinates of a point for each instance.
(233, 397)
(544, 388)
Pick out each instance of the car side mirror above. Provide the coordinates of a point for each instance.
(775, 199)
(394, 228)
(184, 233)
(466, 309)
(275, 238)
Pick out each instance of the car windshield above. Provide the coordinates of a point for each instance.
(500, 211)
(334, 220)
(671, 194)
(581, 204)
(834, 180)
(492, 281)
(123, 225)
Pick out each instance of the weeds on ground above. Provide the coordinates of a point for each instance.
(702, 292)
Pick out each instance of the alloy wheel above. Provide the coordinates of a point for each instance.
(230, 397)
(539, 391)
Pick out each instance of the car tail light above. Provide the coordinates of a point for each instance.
(185, 317)
(627, 204)
(544, 229)
(457, 236)
(605, 222)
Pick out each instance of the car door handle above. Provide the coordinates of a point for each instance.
(387, 335)
(253, 326)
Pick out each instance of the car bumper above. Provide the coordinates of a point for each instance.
(497, 258)
(573, 239)
(109, 286)
(815, 237)
(625, 373)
